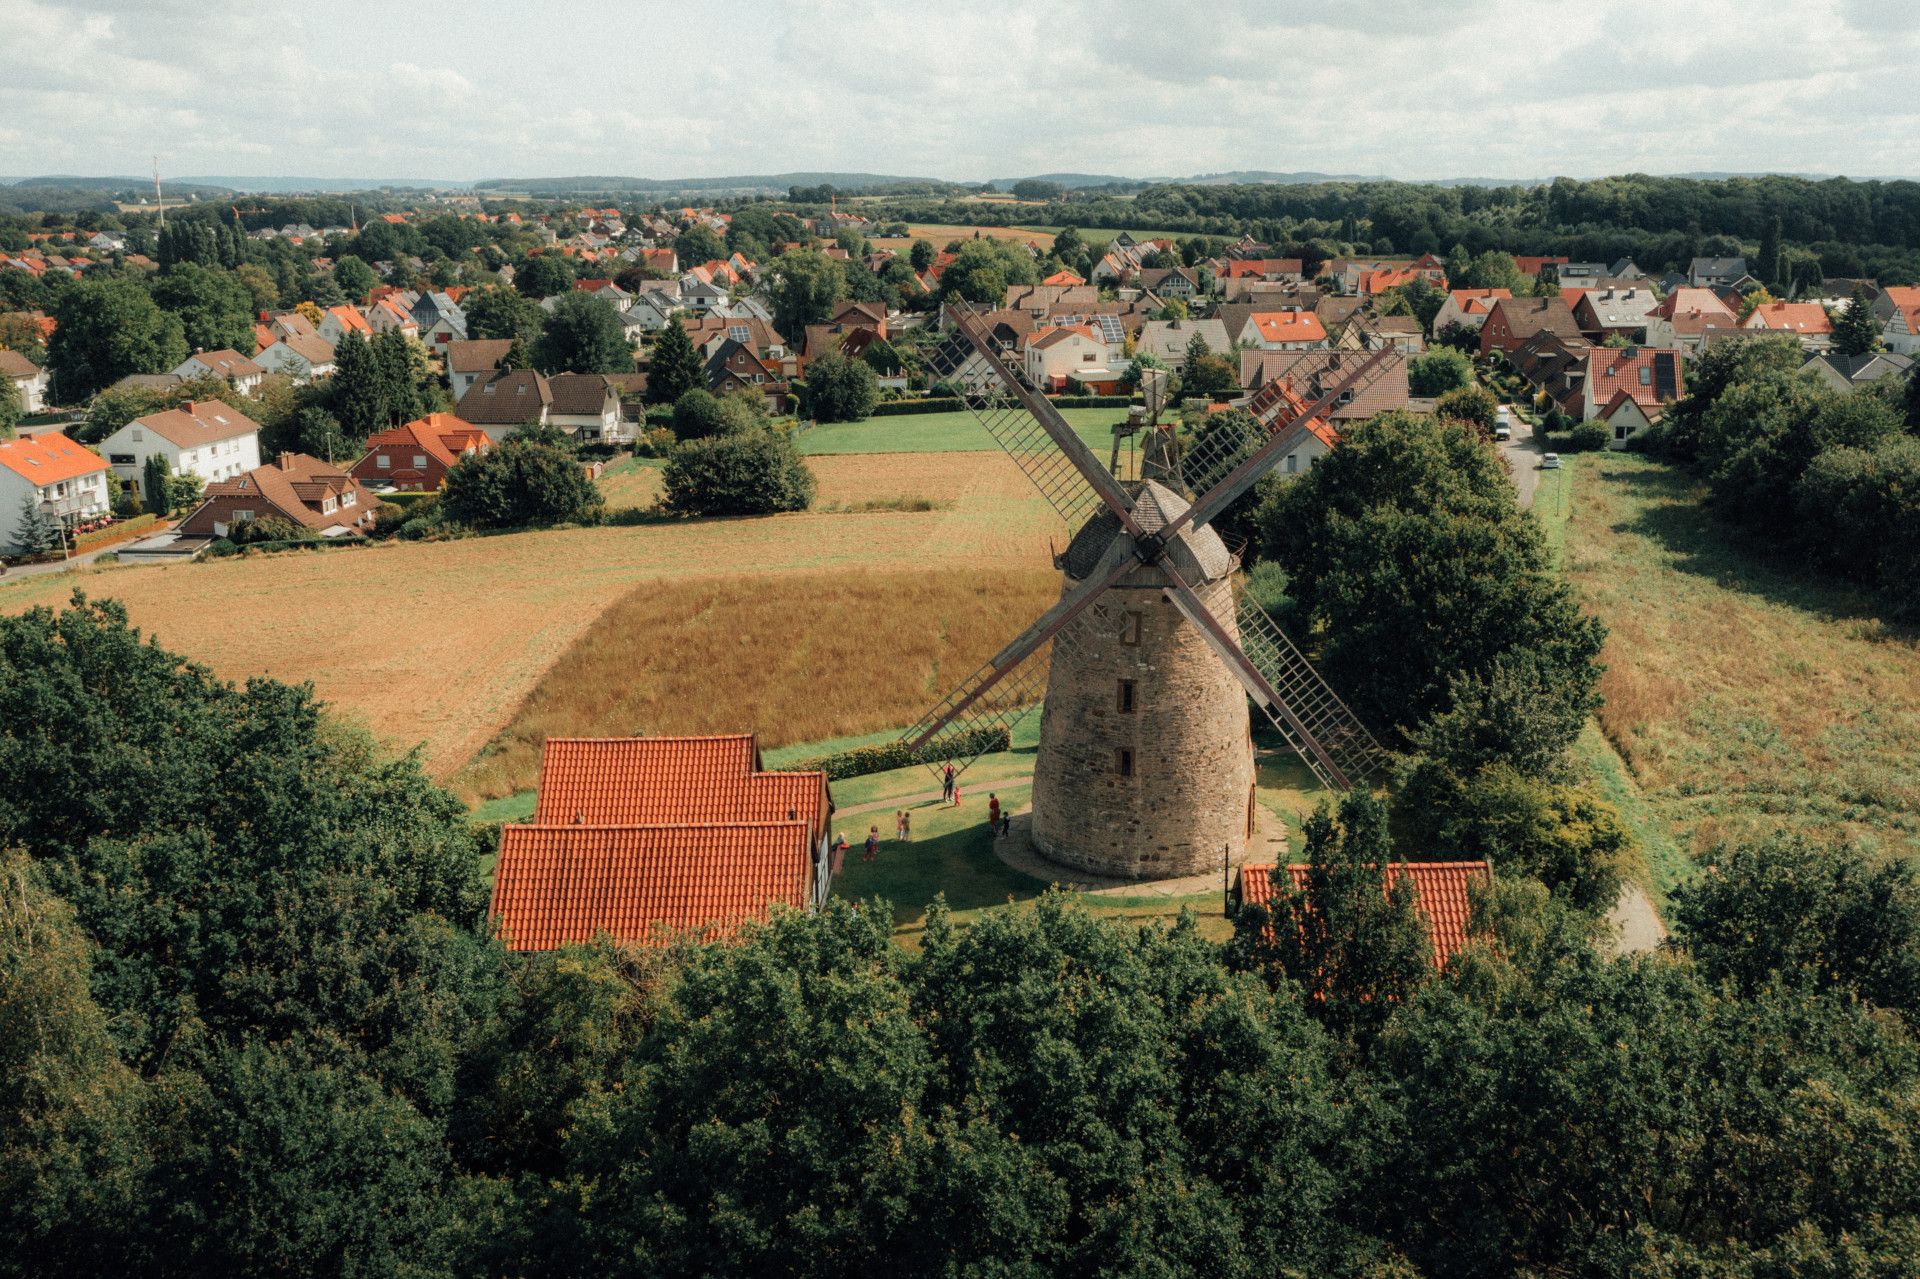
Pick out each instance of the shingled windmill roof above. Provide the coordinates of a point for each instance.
(1198, 555)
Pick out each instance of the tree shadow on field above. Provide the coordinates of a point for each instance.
(1670, 508)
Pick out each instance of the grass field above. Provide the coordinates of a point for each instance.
(791, 657)
(956, 432)
(1745, 696)
(940, 235)
(440, 643)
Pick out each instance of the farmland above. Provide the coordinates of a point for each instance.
(1745, 697)
(439, 644)
(956, 432)
(941, 235)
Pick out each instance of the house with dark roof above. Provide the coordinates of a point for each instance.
(1312, 373)
(29, 380)
(503, 401)
(294, 487)
(587, 405)
(1851, 372)
(643, 840)
(1555, 365)
(207, 438)
(1442, 893)
(416, 456)
(469, 359)
(440, 318)
(1512, 321)
(1615, 312)
(1720, 273)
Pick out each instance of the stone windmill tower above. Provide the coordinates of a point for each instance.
(1145, 764)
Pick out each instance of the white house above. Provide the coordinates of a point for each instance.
(236, 369)
(336, 322)
(387, 314)
(588, 406)
(470, 360)
(1070, 351)
(206, 438)
(1285, 331)
(1902, 334)
(28, 378)
(300, 358)
(63, 479)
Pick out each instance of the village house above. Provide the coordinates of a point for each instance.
(415, 457)
(207, 438)
(337, 322)
(1168, 340)
(388, 314)
(300, 358)
(734, 367)
(1851, 372)
(587, 406)
(469, 359)
(1074, 352)
(29, 380)
(1807, 321)
(1613, 312)
(1685, 315)
(235, 369)
(1369, 332)
(643, 840)
(1650, 377)
(440, 319)
(1466, 309)
(1313, 373)
(1284, 331)
(752, 332)
(1513, 320)
(503, 401)
(1720, 273)
(294, 487)
(66, 481)
(1556, 365)
(1171, 282)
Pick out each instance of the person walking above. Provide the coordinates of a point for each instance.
(873, 844)
(900, 825)
(946, 785)
(993, 813)
(906, 825)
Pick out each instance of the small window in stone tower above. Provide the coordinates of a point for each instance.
(1130, 628)
(1123, 762)
(1124, 701)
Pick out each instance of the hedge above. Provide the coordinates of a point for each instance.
(862, 760)
(404, 500)
(117, 531)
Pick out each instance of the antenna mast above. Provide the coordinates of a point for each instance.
(156, 191)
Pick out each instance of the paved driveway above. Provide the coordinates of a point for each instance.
(1523, 457)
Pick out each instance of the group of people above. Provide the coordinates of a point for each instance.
(999, 822)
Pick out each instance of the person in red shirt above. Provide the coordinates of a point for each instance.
(993, 812)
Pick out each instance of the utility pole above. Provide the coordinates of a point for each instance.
(156, 193)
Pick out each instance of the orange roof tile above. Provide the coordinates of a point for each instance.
(1791, 317)
(350, 320)
(646, 781)
(1289, 326)
(1439, 892)
(556, 885)
(48, 459)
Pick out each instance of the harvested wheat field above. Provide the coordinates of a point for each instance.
(1746, 696)
(940, 236)
(793, 658)
(438, 644)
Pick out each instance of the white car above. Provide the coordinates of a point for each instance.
(1550, 462)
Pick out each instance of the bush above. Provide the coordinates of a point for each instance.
(862, 760)
(271, 528)
(1475, 405)
(113, 532)
(1588, 437)
(902, 408)
(751, 473)
(654, 441)
(520, 484)
(838, 389)
(702, 415)
(1440, 370)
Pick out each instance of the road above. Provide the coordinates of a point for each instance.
(1523, 456)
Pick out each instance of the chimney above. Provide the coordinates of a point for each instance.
(286, 461)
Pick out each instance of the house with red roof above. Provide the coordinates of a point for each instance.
(295, 487)
(207, 438)
(1442, 894)
(1285, 331)
(1650, 377)
(336, 322)
(1466, 308)
(1533, 266)
(1513, 320)
(1076, 352)
(1807, 321)
(1685, 315)
(1063, 277)
(65, 480)
(416, 456)
(645, 839)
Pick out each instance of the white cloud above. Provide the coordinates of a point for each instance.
(965, 89)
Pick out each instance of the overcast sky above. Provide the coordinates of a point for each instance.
(965, 89)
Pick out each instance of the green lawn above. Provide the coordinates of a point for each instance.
(955, 432)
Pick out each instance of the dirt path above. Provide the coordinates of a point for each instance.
(1635, 923)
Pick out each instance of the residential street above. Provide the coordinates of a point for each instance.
(1523, 456)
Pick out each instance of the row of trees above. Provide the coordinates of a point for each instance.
(1836, 474)
(251, 1022)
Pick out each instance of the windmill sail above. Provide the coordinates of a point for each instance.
(1343, 741)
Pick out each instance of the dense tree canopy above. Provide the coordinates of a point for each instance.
(838, 389)
(525, 482)
(108, 329)
(582, 334)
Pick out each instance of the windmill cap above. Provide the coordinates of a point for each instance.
(1198, 554)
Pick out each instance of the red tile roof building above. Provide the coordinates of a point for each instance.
(293, 487)
(416, 456)
(1440, 894)
(646, 838)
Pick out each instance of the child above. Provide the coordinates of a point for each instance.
(956, 794)
(1006, 822)
(873, 844)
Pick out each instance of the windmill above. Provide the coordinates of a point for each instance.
(1145, 763)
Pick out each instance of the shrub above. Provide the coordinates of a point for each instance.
(750, 473)
(1439, 371)
(1472, 404)
(702, 415)
(654, 441)
(839, 390)
(521, 484)
(1588, 437)
(271, 528)
(935, 404)
(862, 760)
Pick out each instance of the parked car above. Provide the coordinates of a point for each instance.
(1550, 462)
(1503, 432)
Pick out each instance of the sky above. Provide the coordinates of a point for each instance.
(964, 89)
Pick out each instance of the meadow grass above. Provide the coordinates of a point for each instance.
(1746, 695)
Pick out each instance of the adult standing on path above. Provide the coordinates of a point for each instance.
(993, 812)
(946, 784)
